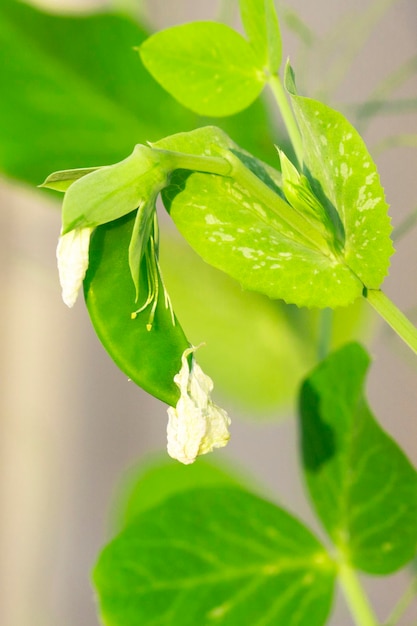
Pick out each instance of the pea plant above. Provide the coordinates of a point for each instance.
(312, 231)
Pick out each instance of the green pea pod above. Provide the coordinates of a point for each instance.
(151, 358)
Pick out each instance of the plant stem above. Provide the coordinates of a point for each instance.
(230, 165)
(195, 162)
(325, 333)
(287, 116)
(356, 599)
(393, 316)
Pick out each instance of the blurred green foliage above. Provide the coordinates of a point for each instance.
(75, 94)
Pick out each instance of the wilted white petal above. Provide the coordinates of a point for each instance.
(72, 256)
(196, 425)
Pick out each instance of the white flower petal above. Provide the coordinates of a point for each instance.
(72, 257)
(196, 425)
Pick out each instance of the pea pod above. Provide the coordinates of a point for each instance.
(151, 358)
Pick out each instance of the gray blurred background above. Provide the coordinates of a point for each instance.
(71, 424)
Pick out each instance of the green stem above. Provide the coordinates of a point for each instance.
(325, 333)
(356, 599)
(231, 166)
(195, 162)
(393, 316)
(287, 116)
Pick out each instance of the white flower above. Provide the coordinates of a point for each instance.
(72, 257)
(196, 425)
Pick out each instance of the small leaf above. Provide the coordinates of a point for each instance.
(299, 194)
(345, 179)
(115, 190)
(207, 67)
(261, 24)
(61, 181)
(237, 232)
(362, 485)
(151, 358)
(214, 555)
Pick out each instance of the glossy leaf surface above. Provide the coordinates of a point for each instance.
(345, 179)
(150, 358)
(233, 229)
(214, 555)
(206, 66)
(362, 485)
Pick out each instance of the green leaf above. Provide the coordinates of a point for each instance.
(238, 232)
(74, 92)
(158, 478)
(214, 555)
(345, 179)
(150, 358)
(115, 190)
(261, 24)
(362, 485)
(62, 181)
(299, 194)
(206, 66)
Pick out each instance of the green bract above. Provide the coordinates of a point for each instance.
(110, 192)
(62, 181)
